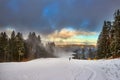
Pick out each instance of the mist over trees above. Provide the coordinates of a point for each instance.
(16, 48)
(85, 53)
(109, 39)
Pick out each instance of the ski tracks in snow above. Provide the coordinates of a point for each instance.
(87, 72)
(93, 74)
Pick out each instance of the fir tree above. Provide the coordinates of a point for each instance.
(12, 46)
(90, 53)
(39, 39)
(4, 46)
(83, 53)
(1, 47)
(20, 48)
(115, 44)
(103, 41)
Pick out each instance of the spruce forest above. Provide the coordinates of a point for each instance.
(16, 48)
(109, 39)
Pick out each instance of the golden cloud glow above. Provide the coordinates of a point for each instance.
(71, 36)
(66, 33)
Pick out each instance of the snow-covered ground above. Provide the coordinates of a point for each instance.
(61, 69)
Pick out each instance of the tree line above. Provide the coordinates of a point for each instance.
(16, 48)
(84, 53)
(109, 39)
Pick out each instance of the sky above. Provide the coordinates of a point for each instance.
(61, 21)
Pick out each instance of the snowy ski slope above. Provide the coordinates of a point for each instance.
(61, 69)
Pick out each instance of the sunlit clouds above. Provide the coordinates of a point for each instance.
(72, 36)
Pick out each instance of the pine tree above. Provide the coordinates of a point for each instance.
(4, 46)
(12, 46)
(50, 47)
(103, 41)
(83, 53)
(39, 39)
(32, 45)
(90, 53)
(1, 47)
(108, 39)
(115, 44)
(20, 48)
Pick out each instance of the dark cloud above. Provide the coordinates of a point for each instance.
(46, 16)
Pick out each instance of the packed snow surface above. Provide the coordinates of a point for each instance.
(61, 69)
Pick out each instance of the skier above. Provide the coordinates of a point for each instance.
(69, 58)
